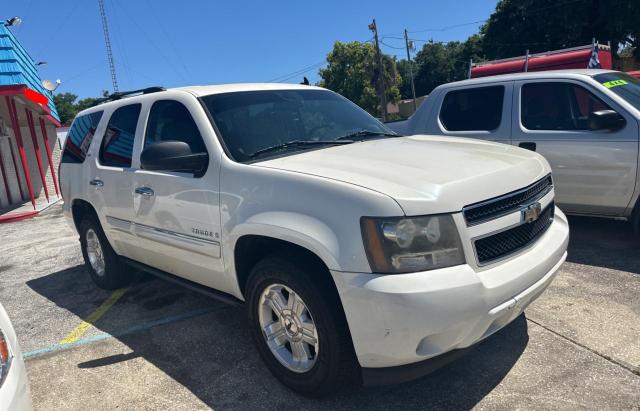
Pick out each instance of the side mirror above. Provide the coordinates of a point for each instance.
(606, 120)
(173, 156)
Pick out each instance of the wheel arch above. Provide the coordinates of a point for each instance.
(79, 209)
(272, 232)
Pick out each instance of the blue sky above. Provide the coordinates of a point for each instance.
(173, 43)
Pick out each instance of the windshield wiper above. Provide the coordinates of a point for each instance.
(367, 133)
(297, 143)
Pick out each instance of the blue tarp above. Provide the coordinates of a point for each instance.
(17, 67)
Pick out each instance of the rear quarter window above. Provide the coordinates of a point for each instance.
(474, 109)
(79, 137)
(117, 143)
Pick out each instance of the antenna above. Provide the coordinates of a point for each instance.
(107, 42)
(50, 85)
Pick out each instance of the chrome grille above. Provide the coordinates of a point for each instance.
(507, 242)
(496, 207)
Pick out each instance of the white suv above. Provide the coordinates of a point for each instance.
(361, 255)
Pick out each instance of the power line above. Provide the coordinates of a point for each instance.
(152, 43)
(389, 45)
(80, 74)
(306, 69)
(298, 72)
(54, 33)
(445, 28)
(448, 27)
(169, 39)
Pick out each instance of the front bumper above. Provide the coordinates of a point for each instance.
(408, 318)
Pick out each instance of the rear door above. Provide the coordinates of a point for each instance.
(478, 111)
(177, 216)
(594, 170)
(110, 183)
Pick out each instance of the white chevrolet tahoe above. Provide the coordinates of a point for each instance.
(361, 255)
(584, 122)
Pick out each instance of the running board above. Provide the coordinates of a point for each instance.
(199, 288)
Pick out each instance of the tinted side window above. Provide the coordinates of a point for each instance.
(79, 137)
(475, 109)
(171, 121)
(558, 106)
(117, 143)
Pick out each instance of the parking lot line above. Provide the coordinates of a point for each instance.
(79, 331)
(103, 336)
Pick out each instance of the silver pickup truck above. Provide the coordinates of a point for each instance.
(585, 122)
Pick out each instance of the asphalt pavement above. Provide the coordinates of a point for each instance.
(156, 345)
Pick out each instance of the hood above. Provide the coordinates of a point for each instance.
(424, 174)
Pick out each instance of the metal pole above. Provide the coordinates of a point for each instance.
(383, 95)
(45, 137)
(413, 87)
(526, 61)
(470, 67)
(13, 113)
(4, 178)
(36, 149)
(15, 167)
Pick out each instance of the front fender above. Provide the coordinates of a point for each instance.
(300, 229)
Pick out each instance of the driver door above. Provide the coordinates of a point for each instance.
(177, 215)
(594, 171)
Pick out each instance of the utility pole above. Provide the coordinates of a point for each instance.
(413, 87)
(381, 88)
(107, 41)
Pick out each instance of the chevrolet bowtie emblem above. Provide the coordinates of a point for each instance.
(531, 212)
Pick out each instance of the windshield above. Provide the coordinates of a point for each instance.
(623, 85)
(258, 121)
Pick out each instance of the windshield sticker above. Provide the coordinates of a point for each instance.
(614, 83)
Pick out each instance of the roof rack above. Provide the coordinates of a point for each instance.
(121, 94)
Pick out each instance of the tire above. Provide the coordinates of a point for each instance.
(635, 218)
(334, 367)
(114, 272)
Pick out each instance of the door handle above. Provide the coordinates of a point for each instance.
(144, 191)
(528, 145)
(96, 182)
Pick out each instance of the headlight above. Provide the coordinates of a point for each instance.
(403, 245)
(5, 357)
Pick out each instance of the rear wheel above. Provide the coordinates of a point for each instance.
(299, 329)
(104, 266)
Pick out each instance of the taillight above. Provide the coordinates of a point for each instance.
(5, 357)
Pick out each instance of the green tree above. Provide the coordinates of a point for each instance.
(352, 72)
(436, 65)
(540, 25)
(68, 108)
(65, 104)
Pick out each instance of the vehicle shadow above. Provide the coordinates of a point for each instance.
(211, 354)
(604, 243)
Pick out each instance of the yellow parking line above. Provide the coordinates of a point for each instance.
(79, 331)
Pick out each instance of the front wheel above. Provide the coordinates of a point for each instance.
(299, 329)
